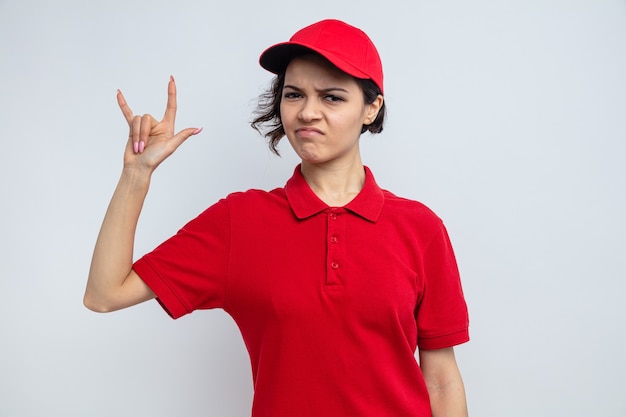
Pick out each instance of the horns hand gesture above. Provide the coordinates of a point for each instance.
(151, 141)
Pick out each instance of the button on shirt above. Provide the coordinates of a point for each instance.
(332, 302)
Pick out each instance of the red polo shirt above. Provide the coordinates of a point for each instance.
(332, 302)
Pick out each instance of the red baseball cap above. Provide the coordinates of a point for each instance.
(345, 46)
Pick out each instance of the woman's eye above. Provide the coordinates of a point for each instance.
(333, 98)
(291, 95)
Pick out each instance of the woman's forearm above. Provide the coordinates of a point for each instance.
(113, 254)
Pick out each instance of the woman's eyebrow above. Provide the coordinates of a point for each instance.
(321, 90)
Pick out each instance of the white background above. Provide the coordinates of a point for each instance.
(508, 118)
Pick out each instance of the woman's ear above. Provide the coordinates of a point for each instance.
(373, 109)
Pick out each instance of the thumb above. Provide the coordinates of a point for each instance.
(185, 134)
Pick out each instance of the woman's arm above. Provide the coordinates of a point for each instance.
(112, 284)
(444, 382)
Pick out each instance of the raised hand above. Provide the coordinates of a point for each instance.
(151, 141)
(112, 283)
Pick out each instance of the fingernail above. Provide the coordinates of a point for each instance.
(141, 146)
(136, 146)
(195, 132)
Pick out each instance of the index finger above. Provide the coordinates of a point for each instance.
(126, 111)
(170, 109)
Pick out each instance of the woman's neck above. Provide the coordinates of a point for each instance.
(335, 184)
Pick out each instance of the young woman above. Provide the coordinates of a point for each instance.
(333, 282)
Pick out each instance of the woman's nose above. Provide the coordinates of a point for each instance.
(309, 111)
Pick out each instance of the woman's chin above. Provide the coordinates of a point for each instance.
(310, 156)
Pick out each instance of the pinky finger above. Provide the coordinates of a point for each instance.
(126, 111)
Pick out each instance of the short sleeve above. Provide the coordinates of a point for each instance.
(188, 271)
(442, 317)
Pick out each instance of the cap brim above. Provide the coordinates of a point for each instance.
(276, 58)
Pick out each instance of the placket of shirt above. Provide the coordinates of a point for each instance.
(336, 246)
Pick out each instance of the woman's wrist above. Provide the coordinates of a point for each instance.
(136, 178)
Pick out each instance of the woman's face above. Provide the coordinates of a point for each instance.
(322, 111)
